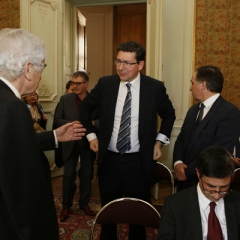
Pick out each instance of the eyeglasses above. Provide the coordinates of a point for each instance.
(125, 64)
(77, 83)
(222, 193)
(43, 65)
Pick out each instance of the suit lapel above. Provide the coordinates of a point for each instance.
(111, 97)
(230, 213)
(191, 124)
(73, 106)
(194, 214)
(144, 99)
(207, 118)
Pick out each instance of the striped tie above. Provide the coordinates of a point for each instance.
(124, 135)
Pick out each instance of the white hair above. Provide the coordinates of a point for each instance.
(17, 47)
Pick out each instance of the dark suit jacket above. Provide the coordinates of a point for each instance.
(67, 111)
(181, 219)
(27, 209)
(220, 127)
(153, 101)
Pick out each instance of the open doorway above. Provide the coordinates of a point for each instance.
(106, 27)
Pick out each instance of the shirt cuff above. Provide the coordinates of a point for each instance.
(55, 137)
(178, 161)
(162, 138)
(91, 136)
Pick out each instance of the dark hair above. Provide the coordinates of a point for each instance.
(213, 77)
(132, 46)
(24, 97)
(68, 84)
(81, 74)
(215, 162)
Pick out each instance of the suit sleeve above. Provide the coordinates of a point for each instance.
(166, 112)
(167, 226)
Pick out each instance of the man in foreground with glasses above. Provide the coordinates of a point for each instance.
(209, 210)
(68, 110)
(129, 143)
(27, 209)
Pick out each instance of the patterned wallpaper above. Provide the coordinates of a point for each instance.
(218, 42)
(9, 14)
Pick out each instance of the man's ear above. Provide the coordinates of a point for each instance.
(27, 70)
(198, 174)
(204, 84)
(140, 65)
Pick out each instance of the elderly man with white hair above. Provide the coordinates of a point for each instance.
(27, 209)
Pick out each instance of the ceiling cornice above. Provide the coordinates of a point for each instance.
(103, 2)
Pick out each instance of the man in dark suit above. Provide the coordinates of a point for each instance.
(187, 215)
(27, 209)
(219, 124)
(128, 169)
(68, 110)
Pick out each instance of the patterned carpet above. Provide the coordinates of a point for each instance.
(78, 225)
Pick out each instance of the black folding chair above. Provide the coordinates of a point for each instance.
(129, 211)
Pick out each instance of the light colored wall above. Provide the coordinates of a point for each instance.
(99, 31)
(170, 47)
(45, 19)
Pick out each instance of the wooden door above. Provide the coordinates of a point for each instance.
(130, 24)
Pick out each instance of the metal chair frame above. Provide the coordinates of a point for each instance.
(236, 180)
(127, 210)
(160, 176)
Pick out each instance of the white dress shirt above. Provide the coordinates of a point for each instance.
(204, 212)
(122, 92)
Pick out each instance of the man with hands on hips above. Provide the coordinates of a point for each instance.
(128, 142)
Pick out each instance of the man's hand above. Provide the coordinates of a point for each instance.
(180, 171)
(70, 132)
(157, 151)
(94, 145)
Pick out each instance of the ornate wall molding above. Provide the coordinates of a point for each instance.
(44, 19)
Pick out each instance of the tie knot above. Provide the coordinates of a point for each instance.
(212, 205)
(128, 86)
(202, 106)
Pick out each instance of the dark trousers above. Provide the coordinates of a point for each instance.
(122, 176)
(181, 185)
(85, 174)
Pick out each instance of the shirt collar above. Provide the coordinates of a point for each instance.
(15, 91)
(209, 102)
(134, 83)
(203, 201)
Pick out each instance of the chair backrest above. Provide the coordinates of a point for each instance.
(127, 210)
(163, 173)
(236, 180)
